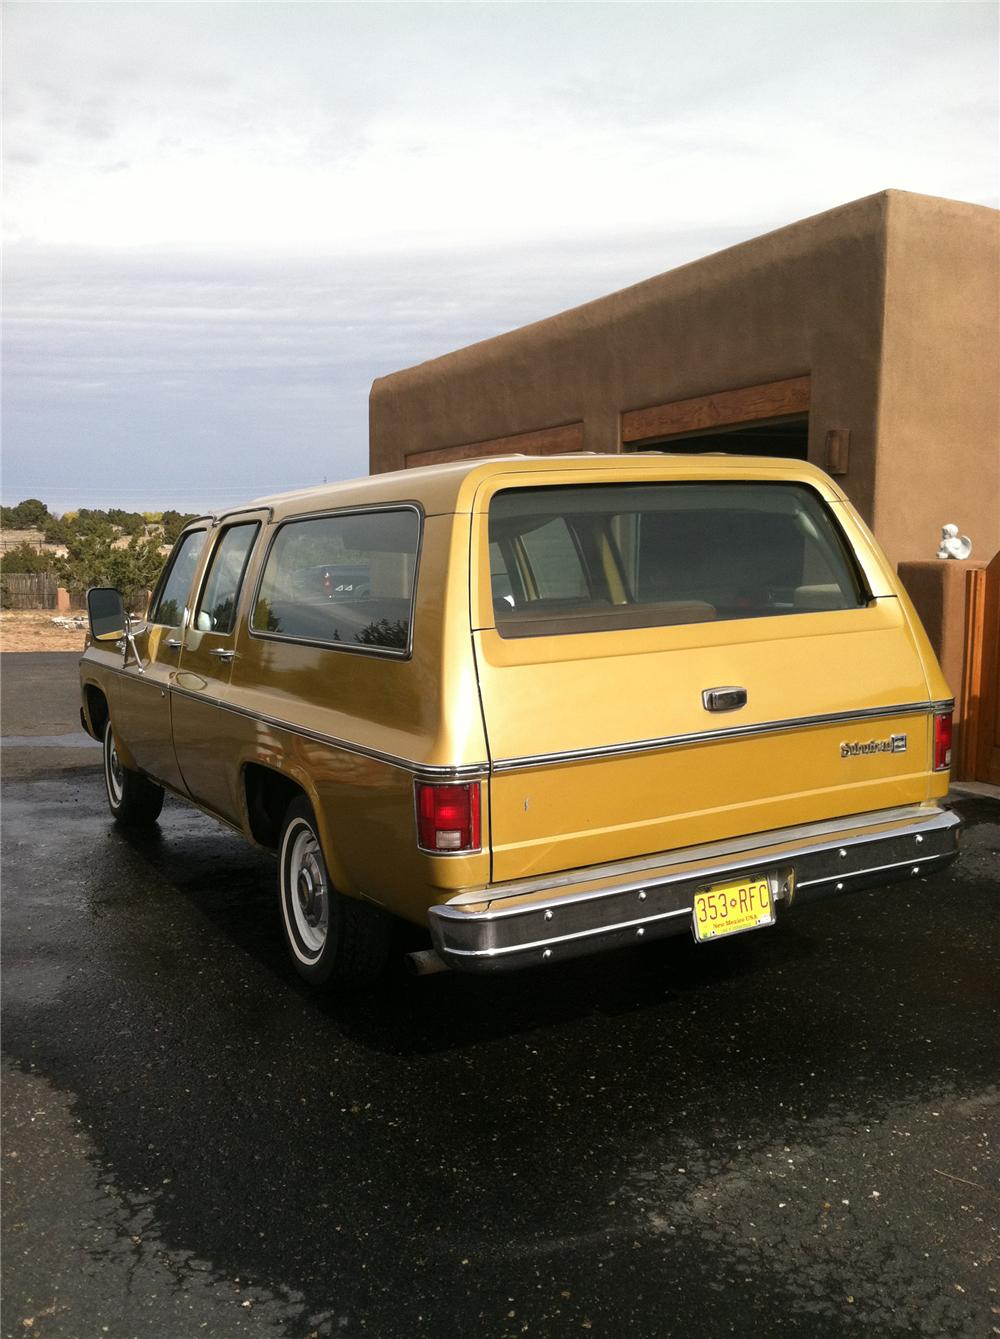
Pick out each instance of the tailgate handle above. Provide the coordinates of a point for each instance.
(724, 699)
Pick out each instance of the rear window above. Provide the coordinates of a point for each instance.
(567, 560)
(345, 580)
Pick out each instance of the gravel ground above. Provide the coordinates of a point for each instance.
(33, 630)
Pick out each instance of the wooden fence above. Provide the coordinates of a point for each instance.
(28, 590)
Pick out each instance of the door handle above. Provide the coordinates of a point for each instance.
(174, 644)
(223, 654)
(724, 699)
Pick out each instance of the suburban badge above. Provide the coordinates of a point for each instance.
(894, 744)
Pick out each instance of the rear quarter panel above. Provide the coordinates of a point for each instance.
(332, 721)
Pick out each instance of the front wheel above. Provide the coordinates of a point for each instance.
(133, 799)
(333, 939)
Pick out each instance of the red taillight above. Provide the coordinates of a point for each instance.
(448, 817)
(942, 741)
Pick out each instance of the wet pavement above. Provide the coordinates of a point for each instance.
(792, 1133)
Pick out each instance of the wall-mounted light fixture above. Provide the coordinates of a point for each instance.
(838, 450)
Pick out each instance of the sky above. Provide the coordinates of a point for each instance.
(223, 220)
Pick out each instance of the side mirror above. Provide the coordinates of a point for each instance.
(106, 612)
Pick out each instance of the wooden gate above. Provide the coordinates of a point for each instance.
(980, 745)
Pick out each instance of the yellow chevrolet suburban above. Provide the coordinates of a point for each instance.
(543, 706)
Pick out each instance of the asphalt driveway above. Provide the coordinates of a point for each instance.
(794, 1132)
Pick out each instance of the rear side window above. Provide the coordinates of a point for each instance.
(566, 560)
(168, 606)
(344, 580)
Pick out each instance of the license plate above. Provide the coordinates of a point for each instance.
(729, 908)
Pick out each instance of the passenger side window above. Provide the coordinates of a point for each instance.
(168, 605)
(217, 607)
(343, 580)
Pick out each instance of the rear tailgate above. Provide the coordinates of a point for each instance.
(603, 748)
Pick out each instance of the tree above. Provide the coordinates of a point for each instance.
(173, 523)
(56, 531)
(129, 521)
(92, 561)
(31, 514)
(26, 558)
(90, 522)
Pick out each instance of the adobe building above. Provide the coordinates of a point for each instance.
(865, 339)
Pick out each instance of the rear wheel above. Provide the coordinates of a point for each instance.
(333, 939)
(133, 799)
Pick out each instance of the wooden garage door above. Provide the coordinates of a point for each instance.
(750, 404)
(982, 676)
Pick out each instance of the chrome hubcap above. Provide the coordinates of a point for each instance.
(311, 893)
(310, 904)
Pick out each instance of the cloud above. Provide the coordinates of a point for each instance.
(226, 219)
(316, 125)
(146, 377)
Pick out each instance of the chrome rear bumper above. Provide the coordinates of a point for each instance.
(505, 926)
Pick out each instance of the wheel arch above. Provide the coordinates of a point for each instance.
(96, 710)
(267, 793)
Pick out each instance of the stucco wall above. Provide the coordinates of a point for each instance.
(939, 413)
(806, 299)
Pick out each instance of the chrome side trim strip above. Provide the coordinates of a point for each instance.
(479, 771)
(422, 771)
(712, 736)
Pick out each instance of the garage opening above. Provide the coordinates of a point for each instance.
(787, 438)
(771, 419)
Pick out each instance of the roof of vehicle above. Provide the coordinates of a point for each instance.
(444, 489)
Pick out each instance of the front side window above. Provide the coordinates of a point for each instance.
(216, 610)
(601, 557)
(345, 580)
(168, 606)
